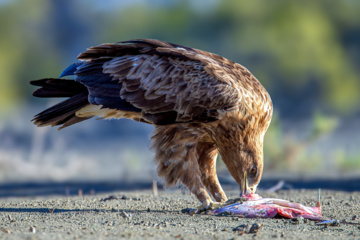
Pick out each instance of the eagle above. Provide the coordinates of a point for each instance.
(200, 103)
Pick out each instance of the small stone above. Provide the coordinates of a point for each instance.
(332, 222)
(32, 229)
(125, 214)
(297, 220)
(185, 210)
(255, 228)
(11, 219)
(5, 230)
(244, 228)
(124, 198)
(111, 197)
(335, 223)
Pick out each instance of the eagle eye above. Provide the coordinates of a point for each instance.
(253, 171)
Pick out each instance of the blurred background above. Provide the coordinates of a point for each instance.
(306, 54)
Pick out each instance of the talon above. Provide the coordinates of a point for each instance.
(210, 206)
(215, 205)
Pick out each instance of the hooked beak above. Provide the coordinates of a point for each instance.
(244, 188)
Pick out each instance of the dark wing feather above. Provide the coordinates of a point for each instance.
(168, 82)
(54, 87)
(102, 90)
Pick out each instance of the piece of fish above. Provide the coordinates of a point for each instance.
(251, 205)
(254, 206)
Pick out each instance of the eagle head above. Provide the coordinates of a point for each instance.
(241, 148)
(245, 164)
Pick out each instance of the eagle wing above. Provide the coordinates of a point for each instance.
(166, 82)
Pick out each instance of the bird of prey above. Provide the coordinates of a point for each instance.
(200, 103)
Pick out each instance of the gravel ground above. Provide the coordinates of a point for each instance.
(140, 215)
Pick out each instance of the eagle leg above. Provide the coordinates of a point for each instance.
(181, 158)
(207, 162)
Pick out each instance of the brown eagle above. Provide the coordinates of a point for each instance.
(200, 103)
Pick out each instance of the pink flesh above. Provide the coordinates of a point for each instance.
(257, 207)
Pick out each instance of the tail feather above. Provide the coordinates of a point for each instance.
(63, 113)
(54, 87)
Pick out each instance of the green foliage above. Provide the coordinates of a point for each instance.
(292, 43)
(322, 125)
(345, 161)
(25, 53)
(274, 145)
(286, 151)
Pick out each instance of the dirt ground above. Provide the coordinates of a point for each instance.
(141, 215)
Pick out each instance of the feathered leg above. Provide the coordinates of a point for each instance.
(177, 159)
(207, 163)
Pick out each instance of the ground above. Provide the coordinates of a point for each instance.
(140, 214)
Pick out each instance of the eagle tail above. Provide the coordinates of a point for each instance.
(62, 113)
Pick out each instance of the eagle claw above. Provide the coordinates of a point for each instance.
(210, 206)
(202, 208)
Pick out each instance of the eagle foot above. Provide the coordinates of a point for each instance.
(202, 208)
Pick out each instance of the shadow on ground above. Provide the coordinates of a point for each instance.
(90, 210)
(76, 188)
